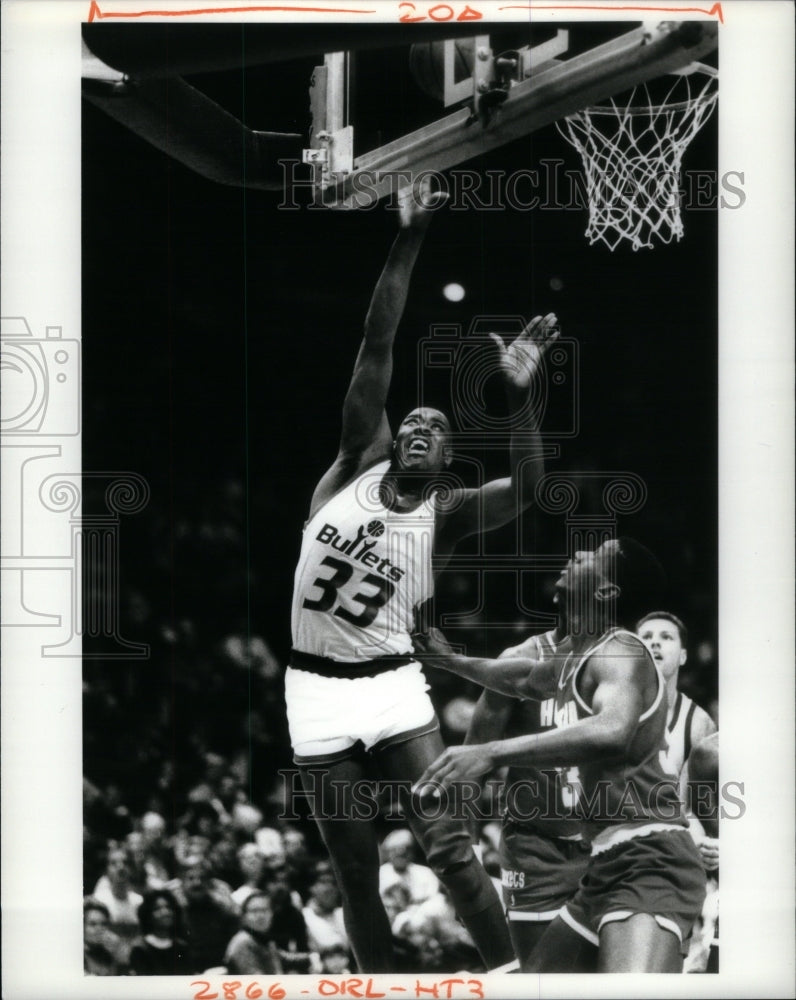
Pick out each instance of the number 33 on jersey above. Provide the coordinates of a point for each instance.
(362, 571)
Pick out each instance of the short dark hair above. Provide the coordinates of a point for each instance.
(91, 903)
(147, 906)
(640, 578)
(669, 617)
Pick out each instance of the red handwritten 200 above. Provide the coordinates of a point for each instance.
(439, 12)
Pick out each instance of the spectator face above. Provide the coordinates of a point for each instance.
(223, 855)
(194, 881)
(228, 789)
(95, 927)
(400, 857)
(199, 845)
(163, 918)
(251, 864)
(206, 827)
(118, 868)
(153, 826)
(295, 845)
(276, 873)
(335, 962)
(136, 848)
(258, 915)
(326, 895)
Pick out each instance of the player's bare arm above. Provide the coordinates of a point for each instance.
(516, 677)
(616, 686)
(500, 501)
(366, 437)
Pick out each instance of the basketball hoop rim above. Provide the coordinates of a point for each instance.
(646, 109)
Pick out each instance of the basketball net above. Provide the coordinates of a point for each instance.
(632, 151)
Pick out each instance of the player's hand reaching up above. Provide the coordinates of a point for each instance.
(521, 360)
(417, 203)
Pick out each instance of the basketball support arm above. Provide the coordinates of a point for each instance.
(184, 123)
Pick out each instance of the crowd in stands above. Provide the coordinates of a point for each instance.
(189, 861)
(222, 891)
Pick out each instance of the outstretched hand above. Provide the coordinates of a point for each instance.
(430, 644)
(521, 360)
(417, 203)
(456, 764)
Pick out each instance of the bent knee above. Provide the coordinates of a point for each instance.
(448, 850)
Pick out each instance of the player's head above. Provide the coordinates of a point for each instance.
(614, 580)
(666, 637)
(422, 441)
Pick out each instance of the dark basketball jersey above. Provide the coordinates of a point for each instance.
(631, 787)
(541, 798)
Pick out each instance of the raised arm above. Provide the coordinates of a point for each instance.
(366, 436)
(517, 676)
(501, 500)
(617, 702)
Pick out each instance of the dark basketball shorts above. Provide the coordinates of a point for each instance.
(538, 873)
(660, 874)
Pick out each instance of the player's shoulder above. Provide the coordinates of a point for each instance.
(619, 643)
(540, 645)
(340, 476)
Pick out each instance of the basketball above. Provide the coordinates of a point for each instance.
(427, 65)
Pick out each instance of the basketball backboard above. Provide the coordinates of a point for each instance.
(463, 90)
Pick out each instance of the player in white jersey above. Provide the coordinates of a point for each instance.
(686, 723)
(357, 700)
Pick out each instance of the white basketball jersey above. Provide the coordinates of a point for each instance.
(677, 738)
(362, 572)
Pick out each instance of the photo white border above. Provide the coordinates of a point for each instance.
(41, 712)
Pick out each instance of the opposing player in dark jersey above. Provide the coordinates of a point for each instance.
(645, 884)
(543, 849)
(357, 700)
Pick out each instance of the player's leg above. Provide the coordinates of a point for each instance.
(354, 854)
(560, 949)
(446, 843)
(525, 935)
(639, 944)
(539, 874)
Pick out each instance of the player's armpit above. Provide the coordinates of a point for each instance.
(349, 464)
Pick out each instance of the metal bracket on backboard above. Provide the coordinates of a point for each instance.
(331, 150)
